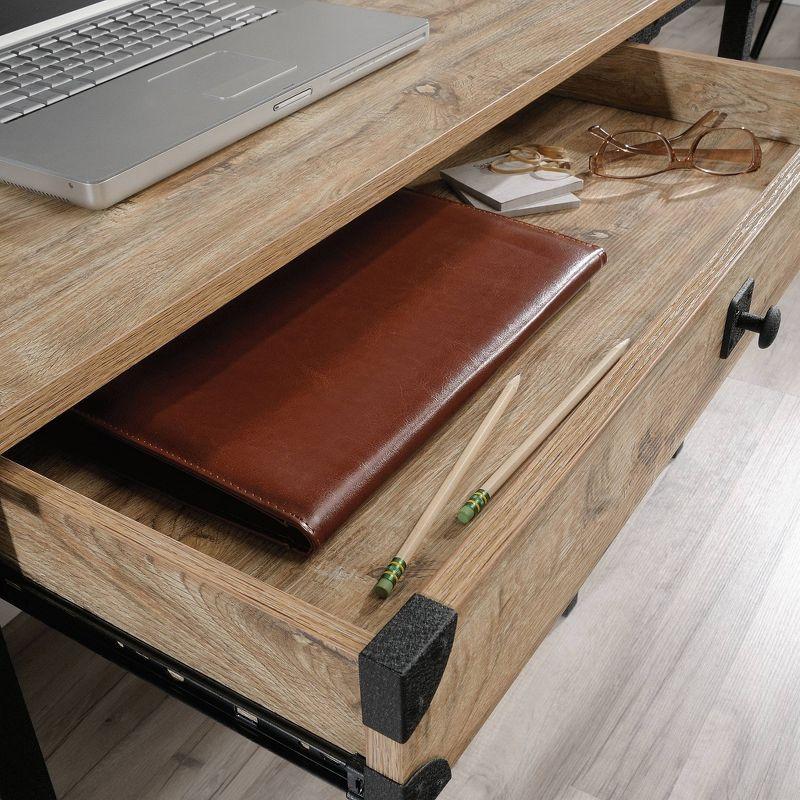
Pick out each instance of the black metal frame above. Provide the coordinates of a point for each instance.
(23, 774)
(766, 26)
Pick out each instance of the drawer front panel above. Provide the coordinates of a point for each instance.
(629, 429)
(277, 652)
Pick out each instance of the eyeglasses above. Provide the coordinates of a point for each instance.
(530, 157)
(642, 154)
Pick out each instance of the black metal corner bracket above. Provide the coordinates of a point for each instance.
(425, 784)
(400, 669)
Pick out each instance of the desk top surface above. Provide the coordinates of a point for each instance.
(83, 295)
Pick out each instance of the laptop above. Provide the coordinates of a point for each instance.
(99, 100)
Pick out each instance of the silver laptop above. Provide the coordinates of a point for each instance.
(100, 100)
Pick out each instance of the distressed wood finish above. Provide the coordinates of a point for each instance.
(635, 222)
(686, 85)
(679, 246)
(258, 641)
(85, 294)
(529, 554)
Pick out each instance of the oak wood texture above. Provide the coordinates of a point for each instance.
(256, 640)
(684, 86)
(575, 494)
(83, 295)
(636, 223)
(686, 620)
(578, 392)
(669, 680)
(677, 247)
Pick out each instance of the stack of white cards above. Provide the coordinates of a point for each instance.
(513, 194)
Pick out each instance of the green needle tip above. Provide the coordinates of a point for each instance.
(466, 514)
(383, 588)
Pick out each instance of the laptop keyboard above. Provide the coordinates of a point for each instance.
(42, 72)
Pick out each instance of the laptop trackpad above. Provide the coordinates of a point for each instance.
(227, 74)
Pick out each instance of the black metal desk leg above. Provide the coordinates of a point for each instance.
(766, 27)
(737, 29)
(23, 773)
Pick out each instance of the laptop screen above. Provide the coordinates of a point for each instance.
(17, 14)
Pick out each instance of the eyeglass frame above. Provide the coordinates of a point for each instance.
(533, 157)
(714, 117)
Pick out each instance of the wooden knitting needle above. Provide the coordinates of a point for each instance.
(394, 571)
(478, 500)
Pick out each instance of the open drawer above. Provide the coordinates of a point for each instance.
(289, 633)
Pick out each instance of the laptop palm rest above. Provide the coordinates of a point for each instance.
(226, 74)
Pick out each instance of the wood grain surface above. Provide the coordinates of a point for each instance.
(677, 244)
(83, 295)
(528, 557)
(648, 266)
(685, 624)
(281, 652)
(685, 85)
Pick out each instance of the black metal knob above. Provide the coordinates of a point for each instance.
(766, 327)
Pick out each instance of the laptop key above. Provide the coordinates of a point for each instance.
(49, 97)
(234, 12)
(197, 38)
(35, 88)
(59, 79)
(47, 73)
(91, 56)
(46, 60)
(11, 98)
(24, 69)
(218, 29)
(25, 106)
(23, 80)
(80, 71)
(74, 87)
(70, 63)
(56, 46)
(7, 115)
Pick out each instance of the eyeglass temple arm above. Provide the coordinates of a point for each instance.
(711, 119)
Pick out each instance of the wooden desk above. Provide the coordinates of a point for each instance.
(87, 294)
(83, 295)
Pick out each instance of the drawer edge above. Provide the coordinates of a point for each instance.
(269, 646)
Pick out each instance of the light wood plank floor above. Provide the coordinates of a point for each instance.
(677, 677)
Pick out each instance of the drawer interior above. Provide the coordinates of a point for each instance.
(659, 233)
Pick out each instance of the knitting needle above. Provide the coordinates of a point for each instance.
(478, 500)
(394, 571)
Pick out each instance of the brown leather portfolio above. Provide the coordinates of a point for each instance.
(289, 406)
